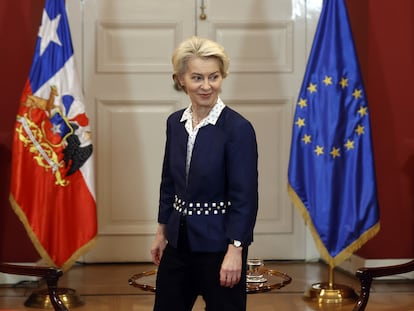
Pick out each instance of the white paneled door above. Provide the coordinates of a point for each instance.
(123, 49)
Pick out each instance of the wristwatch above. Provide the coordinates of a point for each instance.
(236, 243)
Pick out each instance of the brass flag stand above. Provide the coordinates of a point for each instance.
(40, 299)
(329, 292)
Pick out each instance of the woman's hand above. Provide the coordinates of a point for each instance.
(231, 267)
(159, 244)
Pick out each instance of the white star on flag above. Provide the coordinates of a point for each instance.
(56, 129)
(48, 32)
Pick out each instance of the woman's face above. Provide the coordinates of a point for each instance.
(202, 81)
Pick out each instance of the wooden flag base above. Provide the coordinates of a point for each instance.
(40, 299)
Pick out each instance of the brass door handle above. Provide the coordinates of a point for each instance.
(203, 15)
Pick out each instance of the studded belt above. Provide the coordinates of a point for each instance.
(200, 208)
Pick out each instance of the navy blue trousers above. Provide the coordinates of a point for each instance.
(184, 275)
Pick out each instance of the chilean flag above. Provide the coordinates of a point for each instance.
(52, 183)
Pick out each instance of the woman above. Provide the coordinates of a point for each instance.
(208, 194)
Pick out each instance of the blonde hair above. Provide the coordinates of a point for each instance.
(197, 47)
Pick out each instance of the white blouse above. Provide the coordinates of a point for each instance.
(192, 132)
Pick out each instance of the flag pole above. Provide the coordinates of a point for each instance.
(331, 277)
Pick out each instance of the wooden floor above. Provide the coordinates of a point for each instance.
(105, 287)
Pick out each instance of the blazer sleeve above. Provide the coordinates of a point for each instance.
(242, 181)
(167, 184)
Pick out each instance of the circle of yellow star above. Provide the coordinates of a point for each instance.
(335, 152)
(357, 93)
(360, 130)
(302, 103)
(327, 81)
(319, 150)
(312, 88)
(349, 144)
(344, 82)
(363, 111)
(306, 139)
(300, 122)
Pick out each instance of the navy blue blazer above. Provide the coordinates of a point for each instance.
(220, 198)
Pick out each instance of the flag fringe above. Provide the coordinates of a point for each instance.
(82, 250)
(38, 245)
(22, 216)
(345, 253)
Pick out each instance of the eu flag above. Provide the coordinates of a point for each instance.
(331, 172)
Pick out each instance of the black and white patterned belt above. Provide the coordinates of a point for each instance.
(200, 208)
